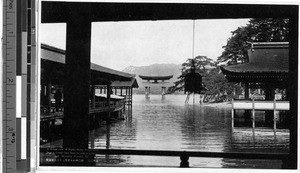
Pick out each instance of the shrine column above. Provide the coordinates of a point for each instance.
(77, 82)
(247, 112)
(93, 92)
(48, 96)
(126, 95)
(246, 90)
(43, 94)
(131, 98)
(269, 115)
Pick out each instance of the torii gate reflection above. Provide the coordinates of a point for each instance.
(155, 80)
(79, 15)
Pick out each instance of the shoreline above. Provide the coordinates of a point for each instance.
(218, 105)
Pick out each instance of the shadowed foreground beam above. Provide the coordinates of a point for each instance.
(56, 12)
(77, 82)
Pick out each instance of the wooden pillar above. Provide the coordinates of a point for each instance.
(77, 83)
(292, 95)
(93, 91)
(269, 115)
(121, 91)
(43, 94)
(92, 139)
(232, 119)
(247, 112)
(253, 118)
(246, 90)
(108, 86)
(274, 118)
(259, 91)
(131, 97)
(48, 97)
(163, 90)
(146, 92)
(108, 93)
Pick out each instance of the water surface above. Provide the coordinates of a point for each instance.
(170, 124)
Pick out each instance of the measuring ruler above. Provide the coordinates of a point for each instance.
(9, 85)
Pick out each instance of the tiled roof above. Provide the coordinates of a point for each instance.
(257, 68)
(133, 83)
(264, 58)
(54, 54)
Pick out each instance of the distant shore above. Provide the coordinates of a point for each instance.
(219, 105)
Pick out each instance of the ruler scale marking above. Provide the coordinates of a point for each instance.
(9, 87)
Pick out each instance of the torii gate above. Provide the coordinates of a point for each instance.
(155, 80)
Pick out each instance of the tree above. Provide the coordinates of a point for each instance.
(215, 84)
(258, 30)
(201, 63)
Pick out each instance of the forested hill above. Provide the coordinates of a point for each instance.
(154, 70)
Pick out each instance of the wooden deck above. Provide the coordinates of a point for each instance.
(52, 113)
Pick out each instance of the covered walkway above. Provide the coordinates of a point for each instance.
(53, 77)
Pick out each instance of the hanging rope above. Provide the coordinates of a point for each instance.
(193, 49)
(193, 53)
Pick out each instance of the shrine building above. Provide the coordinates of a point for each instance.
(267, 70)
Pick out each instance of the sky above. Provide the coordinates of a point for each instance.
(118, 45)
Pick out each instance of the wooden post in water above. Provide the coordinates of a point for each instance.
(93, 96)
(48, 93)
(253, 118)
(193, 98)
(232, 116)
(108, 86)
(274, 125)
(269, 114)
(247, 114)
(131, 98)
(146, 91)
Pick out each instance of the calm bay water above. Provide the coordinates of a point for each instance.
(170, 124)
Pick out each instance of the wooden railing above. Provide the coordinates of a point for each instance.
(52, 109)
(99, 106)
(260, 105)
(254, 105)
(183, 155)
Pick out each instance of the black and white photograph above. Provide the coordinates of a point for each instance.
(148, 86)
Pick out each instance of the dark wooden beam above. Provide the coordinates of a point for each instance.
(56, 12)
(292, 92)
